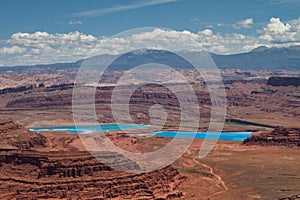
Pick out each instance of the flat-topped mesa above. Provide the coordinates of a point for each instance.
(16, 136)
(284, 81)
(278, 137)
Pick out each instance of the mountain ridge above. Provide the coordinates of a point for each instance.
(261, 58)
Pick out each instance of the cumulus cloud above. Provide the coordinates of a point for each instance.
(43, 47)
(12, 50)
(279, 32)
(247, 23)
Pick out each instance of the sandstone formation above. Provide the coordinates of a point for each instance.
(252, 101)
(34, 166)
(278, 137)
(73, 175)
(15, 136)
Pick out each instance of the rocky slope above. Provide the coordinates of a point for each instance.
(34, 166)
(73, 175)
(15, 136)
(278, 137)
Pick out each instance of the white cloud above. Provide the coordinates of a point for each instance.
(12, 50)
(43, 47)
(247, 23)
(75, 22)
(104, 11)
(279, 32)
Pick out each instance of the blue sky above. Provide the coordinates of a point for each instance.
(100, 18)
(54, 15)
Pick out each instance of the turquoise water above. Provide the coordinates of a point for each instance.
(234, 136)
(88, 129)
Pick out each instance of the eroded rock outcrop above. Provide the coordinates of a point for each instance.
(16, 136)
(278, 137)
(70, 175)
(29, 169)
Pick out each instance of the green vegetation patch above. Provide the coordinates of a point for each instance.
(195, 171)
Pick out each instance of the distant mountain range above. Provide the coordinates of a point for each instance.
(261, 58)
